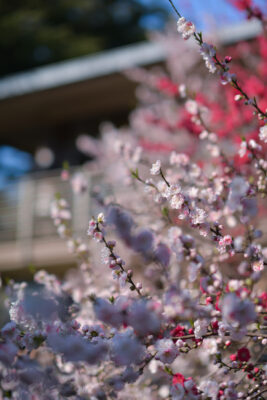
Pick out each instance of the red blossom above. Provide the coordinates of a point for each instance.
(208, 300)
(263, 300)
(249, 367)
(155, 146)
(233, 357)
(218, 296)
(215, 326)
(177, 332)
(243, 354)
(167, 86)
(178, 378)
(242, 4)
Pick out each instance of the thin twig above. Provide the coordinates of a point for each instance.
(234, 83)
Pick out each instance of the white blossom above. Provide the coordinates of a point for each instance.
(167, 351)
(192, 107)
(155, 170)
(243, 149)
(208, 52)
(263, 133)
(210, 345)
(210, 389)
(237, 312)
(177, 201)
(126, 349)
(186, 28)
(200, 328)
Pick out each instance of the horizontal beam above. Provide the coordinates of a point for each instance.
(107, 62)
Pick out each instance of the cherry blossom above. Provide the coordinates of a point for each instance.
(167, 299)
(186, 28)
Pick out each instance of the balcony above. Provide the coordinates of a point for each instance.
(28, 236)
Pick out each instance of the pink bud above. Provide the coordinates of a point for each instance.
(228, 59)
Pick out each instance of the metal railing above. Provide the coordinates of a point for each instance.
(25, 215)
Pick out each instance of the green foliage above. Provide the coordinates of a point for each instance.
(135, 173)
(36, 32)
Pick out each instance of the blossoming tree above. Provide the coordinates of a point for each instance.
(168, 298)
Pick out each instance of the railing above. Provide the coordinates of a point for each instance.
(27, 233)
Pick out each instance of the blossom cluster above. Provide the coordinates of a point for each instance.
(168, 300)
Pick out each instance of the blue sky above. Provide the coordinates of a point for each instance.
(13, 163)
(205, 14)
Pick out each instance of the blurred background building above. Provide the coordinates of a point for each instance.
(54, 87)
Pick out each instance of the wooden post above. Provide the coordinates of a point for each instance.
(25, 219)
(81, 209)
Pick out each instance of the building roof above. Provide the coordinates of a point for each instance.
(80, 69)
(106, 63)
